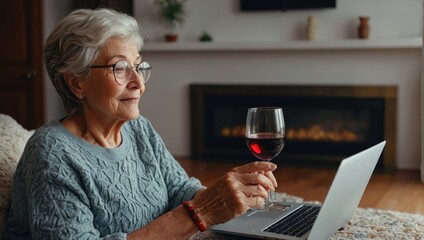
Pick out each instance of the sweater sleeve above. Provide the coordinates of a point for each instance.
(179, 185)
(58, 207)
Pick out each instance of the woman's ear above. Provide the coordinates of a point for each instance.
(74, 84)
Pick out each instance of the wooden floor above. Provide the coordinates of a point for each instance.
(399, 191)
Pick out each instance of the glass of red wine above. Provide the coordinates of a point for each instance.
(265, 130)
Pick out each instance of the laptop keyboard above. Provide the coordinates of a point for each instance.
(297, 223)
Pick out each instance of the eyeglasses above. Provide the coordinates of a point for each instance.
(122, 71)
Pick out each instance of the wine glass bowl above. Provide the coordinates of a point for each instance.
(265, 131)
(265, 146)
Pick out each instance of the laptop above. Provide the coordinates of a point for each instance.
(312, 221)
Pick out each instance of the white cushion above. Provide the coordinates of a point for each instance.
(13, 138)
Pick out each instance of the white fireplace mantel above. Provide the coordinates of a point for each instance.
(352, 44)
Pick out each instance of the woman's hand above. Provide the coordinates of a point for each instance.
(239, 190)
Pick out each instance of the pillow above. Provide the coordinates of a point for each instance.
(13, 138)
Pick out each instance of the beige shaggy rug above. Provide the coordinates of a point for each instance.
(365, 224)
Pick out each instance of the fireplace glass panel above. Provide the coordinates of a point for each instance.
(321, 129)
(315, 125)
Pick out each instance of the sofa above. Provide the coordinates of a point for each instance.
(13, 138)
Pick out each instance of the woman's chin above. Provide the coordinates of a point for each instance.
(134, 115)
(131, 115)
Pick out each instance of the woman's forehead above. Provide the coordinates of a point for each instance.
(118, 47)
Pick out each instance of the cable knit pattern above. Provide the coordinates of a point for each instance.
(67, 188)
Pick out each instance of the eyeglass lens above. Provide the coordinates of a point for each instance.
(123, 71)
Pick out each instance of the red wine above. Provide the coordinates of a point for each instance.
(265, 146)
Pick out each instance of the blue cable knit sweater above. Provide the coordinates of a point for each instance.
(67, 188)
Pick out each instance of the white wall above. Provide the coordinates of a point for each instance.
(166, 100)
(388, 19)
(53, 11)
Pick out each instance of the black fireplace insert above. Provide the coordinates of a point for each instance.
(324, 124)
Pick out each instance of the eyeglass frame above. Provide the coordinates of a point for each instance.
(135, 68)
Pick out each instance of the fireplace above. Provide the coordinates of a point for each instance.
(324, 124)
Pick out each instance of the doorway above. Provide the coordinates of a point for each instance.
(21, 80)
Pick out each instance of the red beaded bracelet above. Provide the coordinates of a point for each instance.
(198, 220)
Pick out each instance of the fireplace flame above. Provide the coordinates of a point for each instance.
(312, 133)
(236, 131)
(318, 133)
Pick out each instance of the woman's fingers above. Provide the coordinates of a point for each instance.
(271, 176)
(237, 191)
(265, 168)
(254, 190)
(266, 180)
(255, 201)
(256, 167)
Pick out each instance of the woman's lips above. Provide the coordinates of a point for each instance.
(131, 99)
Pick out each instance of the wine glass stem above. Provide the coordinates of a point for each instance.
(271, 196)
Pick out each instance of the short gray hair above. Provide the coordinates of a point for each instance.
(75, 43)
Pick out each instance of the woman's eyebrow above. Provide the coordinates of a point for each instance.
(122, 57)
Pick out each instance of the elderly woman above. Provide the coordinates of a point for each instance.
(102, 172)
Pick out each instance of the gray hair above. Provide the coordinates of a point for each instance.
(75, 43)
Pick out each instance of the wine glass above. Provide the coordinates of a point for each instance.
(265, 130)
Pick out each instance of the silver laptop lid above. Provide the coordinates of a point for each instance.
(345, 192)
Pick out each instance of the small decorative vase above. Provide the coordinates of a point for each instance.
(311, 28)
(363, 29)
(171, 37)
